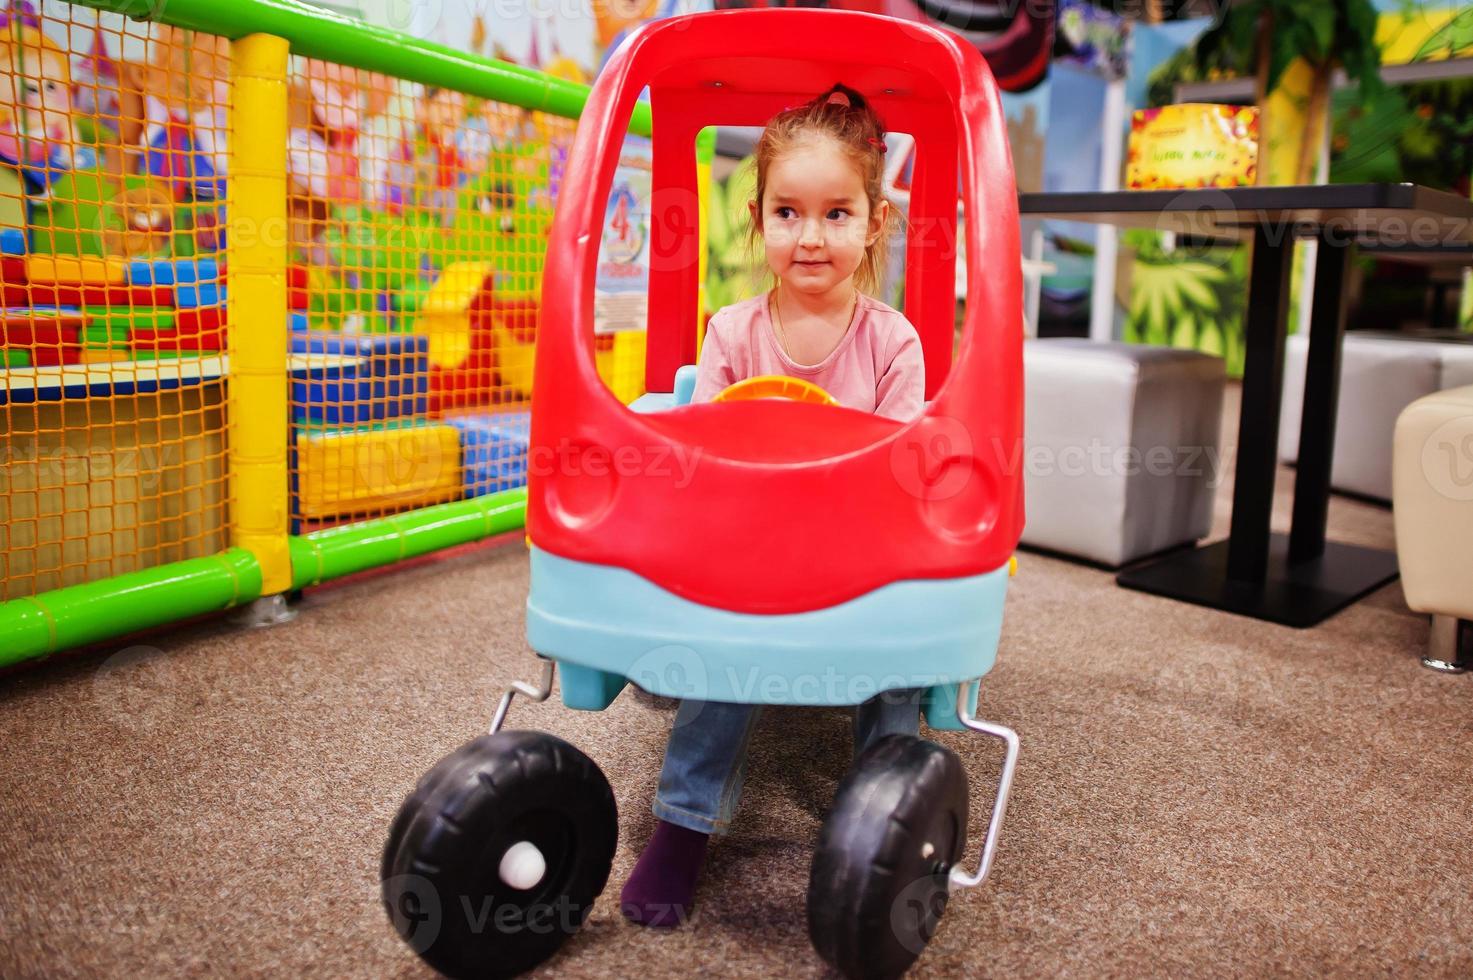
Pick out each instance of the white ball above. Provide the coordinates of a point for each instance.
(522, 866)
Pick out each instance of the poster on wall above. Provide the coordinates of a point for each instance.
(621, 286)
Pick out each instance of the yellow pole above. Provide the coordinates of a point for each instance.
(257, 252)
(703, 210)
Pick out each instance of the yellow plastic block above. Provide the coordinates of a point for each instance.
(456, 287)
(355, 472)
(445, 315)
(86, 271)
(514, 361)
(449, 335)
(92, 489)
(622, 367)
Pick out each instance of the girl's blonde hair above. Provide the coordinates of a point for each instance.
(842, 115)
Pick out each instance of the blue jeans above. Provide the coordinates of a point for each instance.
(706, 757)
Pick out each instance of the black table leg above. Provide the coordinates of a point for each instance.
(1321, 399)
(1255, 573)
(1439, 305)
(1353, 570)
(1258, 419)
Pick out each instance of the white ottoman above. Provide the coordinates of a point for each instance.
(1432, 486)
(1379, 376)
(1121, 447)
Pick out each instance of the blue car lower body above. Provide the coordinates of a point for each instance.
(607, 626)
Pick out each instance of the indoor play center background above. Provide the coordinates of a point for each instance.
(228, 373)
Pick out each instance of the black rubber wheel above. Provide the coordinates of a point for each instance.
(412, 805)
(442, 886)
(879, 881)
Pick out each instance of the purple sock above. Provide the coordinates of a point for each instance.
(663, 883)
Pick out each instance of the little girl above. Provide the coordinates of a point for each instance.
(823, 219)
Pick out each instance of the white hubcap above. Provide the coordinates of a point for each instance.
(522, 866)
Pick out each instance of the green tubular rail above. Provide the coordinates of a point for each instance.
(34, 626)
(325, 555)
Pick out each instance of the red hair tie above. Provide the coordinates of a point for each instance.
(878, 143)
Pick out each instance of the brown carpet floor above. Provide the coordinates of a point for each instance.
(1198, 795)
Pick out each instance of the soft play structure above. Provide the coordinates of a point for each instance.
(272, 289)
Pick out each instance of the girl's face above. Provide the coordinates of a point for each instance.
(816, 220)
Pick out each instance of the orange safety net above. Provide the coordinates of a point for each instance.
(112, 405)
(419, 226)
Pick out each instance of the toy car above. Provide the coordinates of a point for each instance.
(500, 851)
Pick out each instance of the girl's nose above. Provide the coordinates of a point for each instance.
(811, 234)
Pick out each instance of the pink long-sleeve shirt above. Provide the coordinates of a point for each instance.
(876, 368)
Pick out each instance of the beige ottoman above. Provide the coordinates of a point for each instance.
(1432, 498)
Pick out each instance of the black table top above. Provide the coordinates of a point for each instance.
(1391, 216)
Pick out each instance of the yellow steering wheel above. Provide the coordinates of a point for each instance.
(775, 386)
